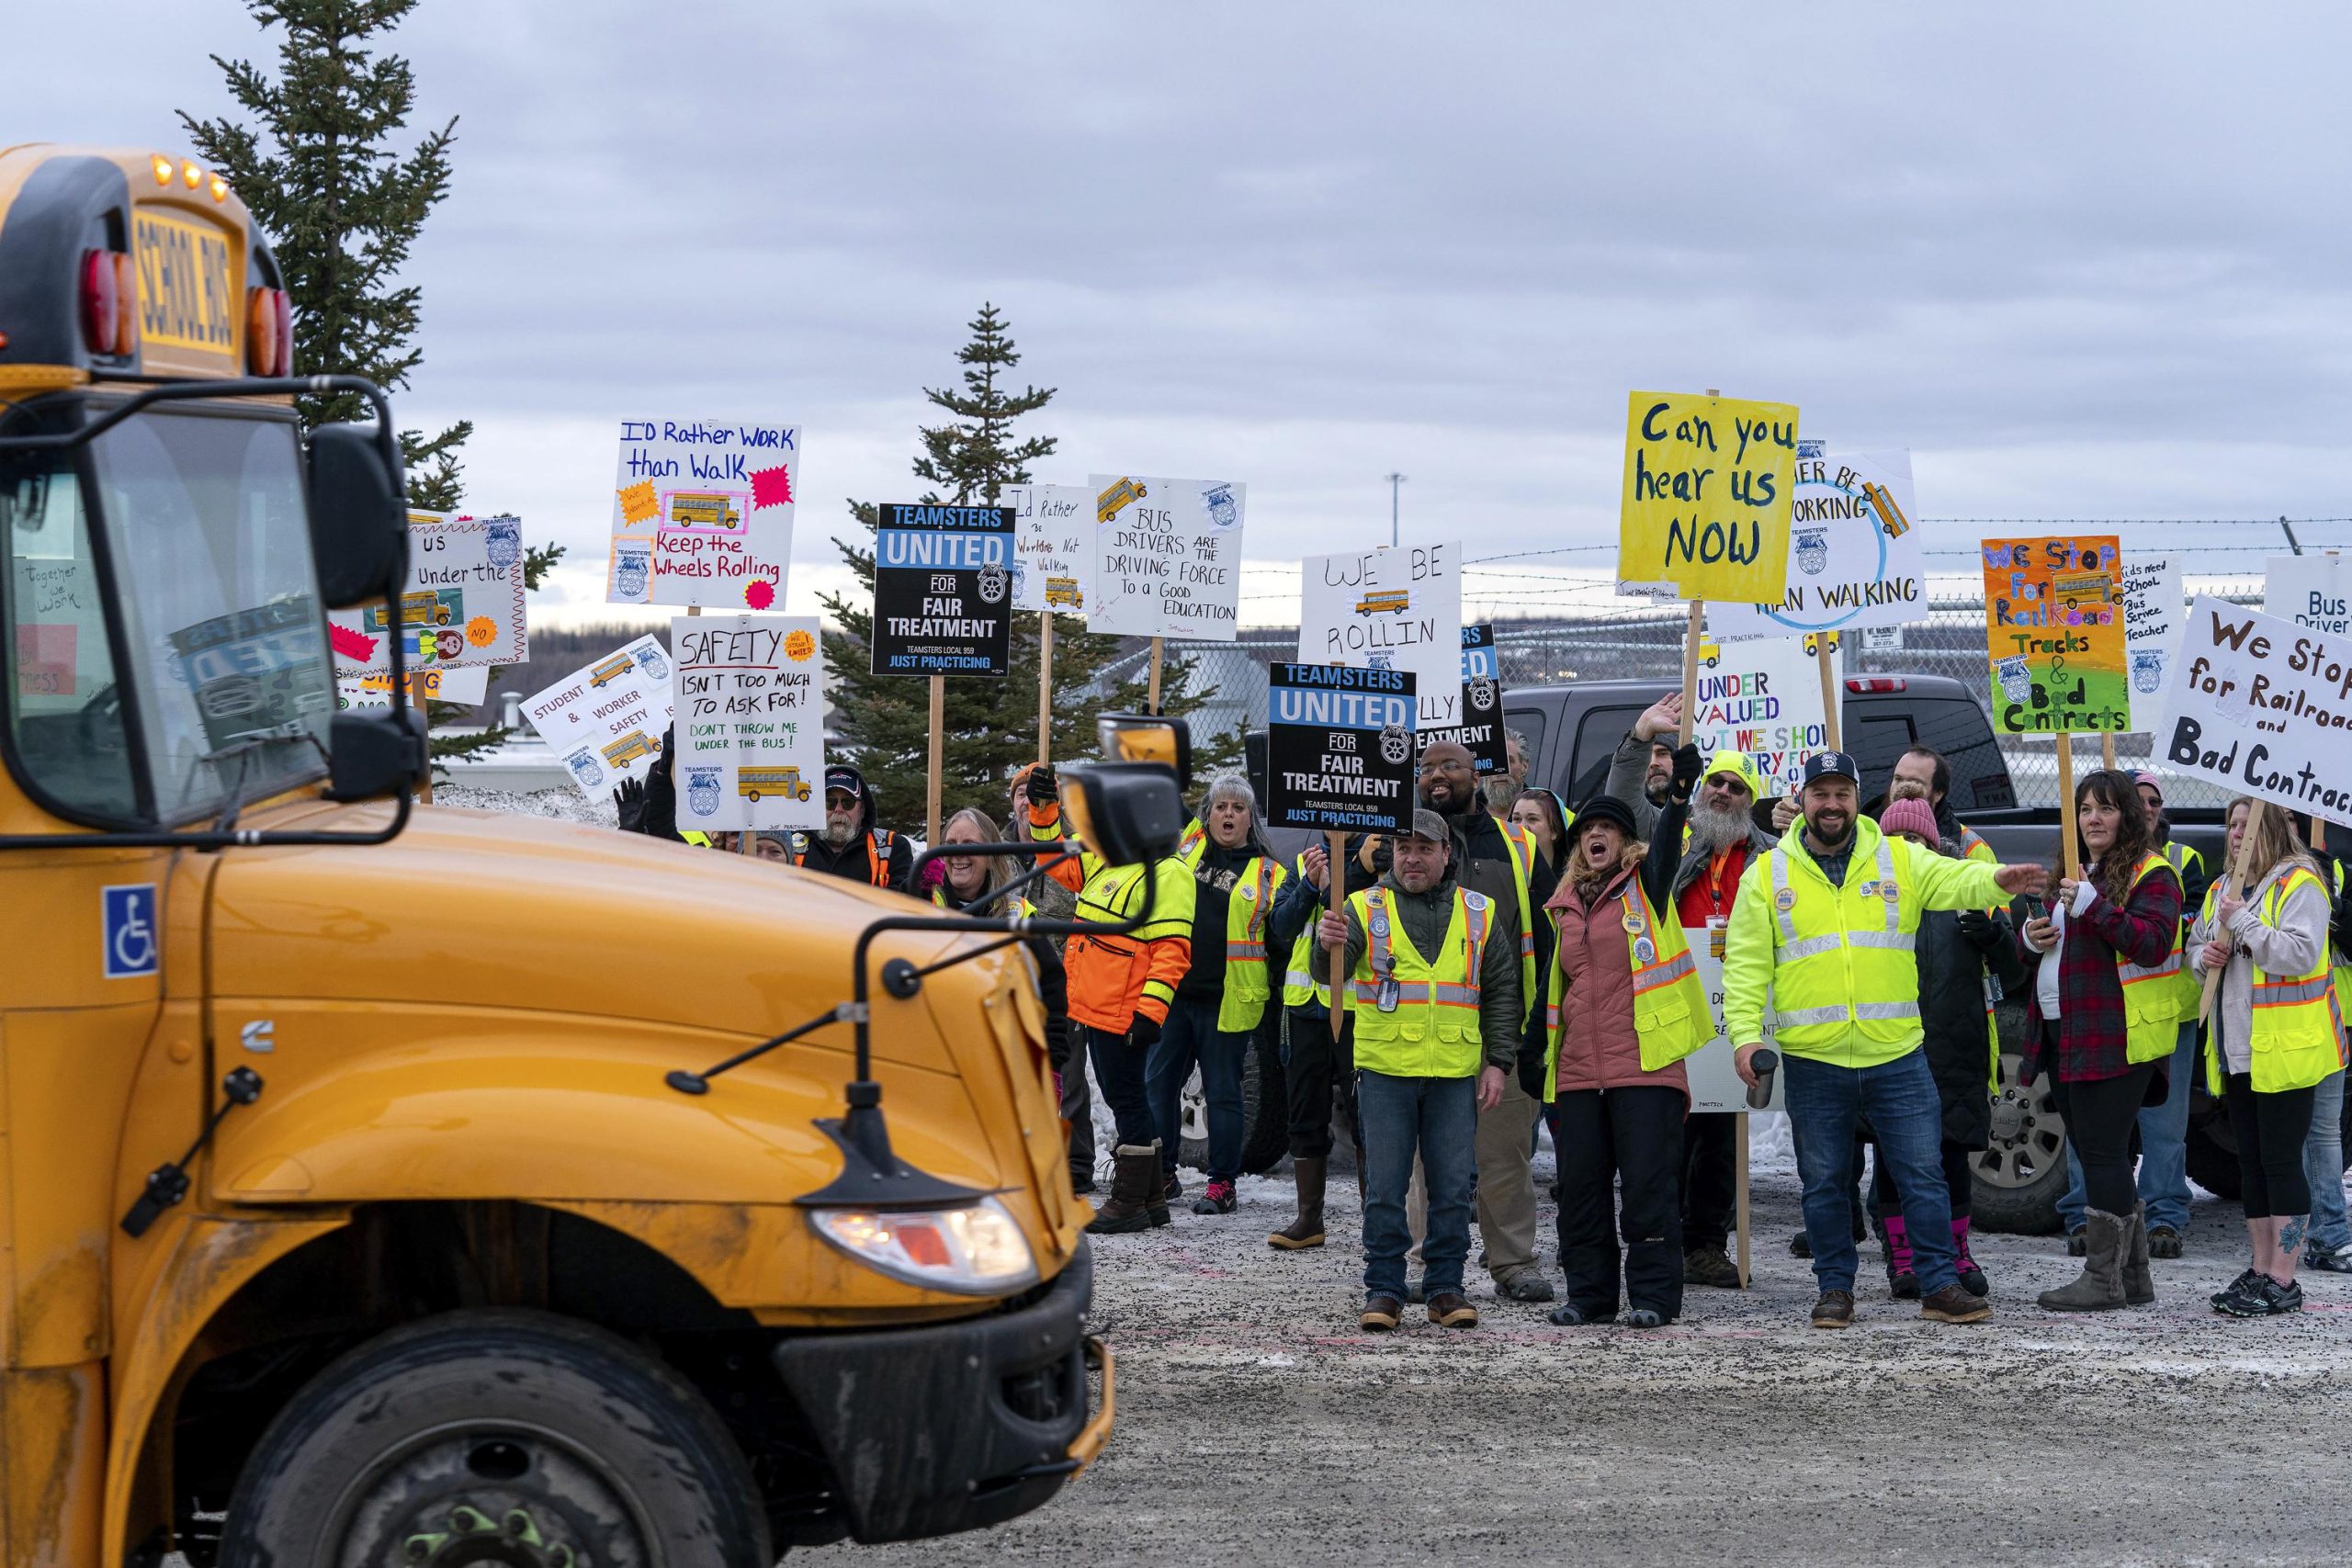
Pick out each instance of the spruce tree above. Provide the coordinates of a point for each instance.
(991, 724)
(342, 208)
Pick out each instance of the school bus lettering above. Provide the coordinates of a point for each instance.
(188, 284)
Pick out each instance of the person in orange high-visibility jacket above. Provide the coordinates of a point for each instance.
(1120, 985)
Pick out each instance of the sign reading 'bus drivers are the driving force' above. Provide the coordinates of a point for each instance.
(942, 590)
(1339, 749)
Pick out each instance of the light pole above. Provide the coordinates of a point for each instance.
(1393, 481)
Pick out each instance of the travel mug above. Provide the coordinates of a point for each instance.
(1764, 1063)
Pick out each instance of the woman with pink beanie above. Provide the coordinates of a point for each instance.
(1962, 958)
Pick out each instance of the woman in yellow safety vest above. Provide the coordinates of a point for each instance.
(2276, 1033)
(1223, 992)
(2101, 1019)
(1622, 971)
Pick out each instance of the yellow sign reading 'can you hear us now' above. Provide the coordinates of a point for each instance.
(1708, 483)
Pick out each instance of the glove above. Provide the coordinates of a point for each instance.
(1142, 1032)
(629, 801)
(1978, 927)
(1531, 1074)
(1686, 774)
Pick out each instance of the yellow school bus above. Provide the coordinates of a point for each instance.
(1062, 593)
(629, 748)
(1394, 601)
(425, 607)
(370, 1188)
(783, 783)
(611, 669)
(1124, 493)
(690, 508)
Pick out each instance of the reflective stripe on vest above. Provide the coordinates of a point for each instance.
(2295, 1033)
(1307, 980)
(1852, 989)
(2152, 1013)
(1433, 1029)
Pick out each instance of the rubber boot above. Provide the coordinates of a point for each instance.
(1135, 1178)
(1902, 1278)
(1305, 1229)
(2101, 1288)
(2139, 1284)
(1156, 1194)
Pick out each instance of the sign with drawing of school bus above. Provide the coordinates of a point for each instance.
(2055, 633)
(607, 720)
(751, 734)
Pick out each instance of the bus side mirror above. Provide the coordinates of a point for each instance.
(358, 517)
(1124, 812)
(373, 752)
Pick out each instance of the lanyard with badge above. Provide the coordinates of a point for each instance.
(1384, 999)
(1645, 950)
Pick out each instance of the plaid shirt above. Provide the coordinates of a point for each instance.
(2090, 1023)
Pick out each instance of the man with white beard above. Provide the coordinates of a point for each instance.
(1721, 840)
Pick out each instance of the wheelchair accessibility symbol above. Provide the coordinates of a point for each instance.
(132, 947)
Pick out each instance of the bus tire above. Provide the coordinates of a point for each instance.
(496, 1436)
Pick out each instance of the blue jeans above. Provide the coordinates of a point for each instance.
(2323, 1167)
(1824, 1104)
(1437, 1118)
(2164, 1149)
(1191, 1034)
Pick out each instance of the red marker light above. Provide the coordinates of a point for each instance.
(100, 300)
(269, 331)
(1876, 683)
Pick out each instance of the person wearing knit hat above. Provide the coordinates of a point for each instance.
(1953, 952)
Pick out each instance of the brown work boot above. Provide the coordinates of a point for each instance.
(2100, 1287)
(1834, 1310)
(1134, 1179)
(2139, 1283)
(1305, 1228)
(1710, 1266)
(1380, 1313)
(1954, 1304)
(1452, 1309)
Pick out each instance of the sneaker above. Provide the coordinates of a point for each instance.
(1641, 1318)
(1170, 1190)
(1834, 1310)
(1452, 1309)
(2078, 1245)
(1217, 1200)
(1798, 1246)
(1953, 1305)
(1710, 1266)
(2165, 1241)
(2279, 1300)
(1380, 1313)
(1568, 1315)
(2243, 1297)
(2325, 1262)
(1525, 1285)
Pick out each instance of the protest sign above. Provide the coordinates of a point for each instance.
(2053, 631)
(373, 688)
(1339, 749)
(1854, 557)
(1052, 528)
(2261, 707)
(1390, 609)
(1480, 731)
(460, 608)
(1705, 503)
(1762, 697)
(2313, 592)
(2152, 618)
(751, 699)
(702, 513)
(606, 721)
(1480, 657)
(1165, 559)
(943, 587)
(1714, 1078)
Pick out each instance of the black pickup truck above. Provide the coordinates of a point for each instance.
(1571, 731)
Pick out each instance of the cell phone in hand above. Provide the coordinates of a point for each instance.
(2034, 910)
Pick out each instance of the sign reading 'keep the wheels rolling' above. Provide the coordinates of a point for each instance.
(1339, 749)
(942, 590)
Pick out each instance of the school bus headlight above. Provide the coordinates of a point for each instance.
(972, 1252)
(191, 174)
(163, 166)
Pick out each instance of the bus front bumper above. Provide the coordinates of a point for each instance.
(956, 1425)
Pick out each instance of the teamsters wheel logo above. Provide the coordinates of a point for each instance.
(1396, 743)
(1481, 692)
(993, 582)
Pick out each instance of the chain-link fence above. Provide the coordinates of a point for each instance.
(1638, 642)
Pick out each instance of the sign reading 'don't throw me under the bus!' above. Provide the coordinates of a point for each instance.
(1339, 749)
(942, 590)
(750, 693)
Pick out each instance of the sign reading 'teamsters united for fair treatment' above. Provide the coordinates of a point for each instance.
(2261, 707)
(1339, 749)
(942, 590)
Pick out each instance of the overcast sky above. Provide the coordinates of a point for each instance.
(2084, 262)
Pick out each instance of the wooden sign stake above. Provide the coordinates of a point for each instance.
(1153, 701)
(1691, 635)
(1830, 718)
(1044, 686)
(1335, 846)
(2070, 857)
(2240, 864)
(423, 711)
(938, 743)
(2106, 750)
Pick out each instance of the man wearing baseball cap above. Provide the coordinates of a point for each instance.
(1826, 922)
(1433, 982)
(850, 844)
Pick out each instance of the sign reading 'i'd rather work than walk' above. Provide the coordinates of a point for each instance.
(942, 590)
(2053, 631)
(1705, 505)
(1339, 749)
(702, 513)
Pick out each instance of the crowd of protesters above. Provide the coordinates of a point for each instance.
(1512, 957)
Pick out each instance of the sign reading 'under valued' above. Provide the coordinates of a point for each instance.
(942, 590)
(1339, 749)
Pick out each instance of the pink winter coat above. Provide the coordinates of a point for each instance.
(1598, 1048)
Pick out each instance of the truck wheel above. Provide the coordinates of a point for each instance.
(1265, 1117)
(496, 1437)
(2021, 1177)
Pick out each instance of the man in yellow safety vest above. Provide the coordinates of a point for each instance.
(1826, 922)
(1433, 980)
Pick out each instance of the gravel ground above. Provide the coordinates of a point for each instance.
(1257, 1424)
